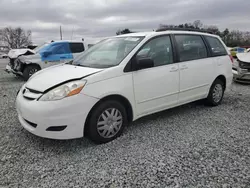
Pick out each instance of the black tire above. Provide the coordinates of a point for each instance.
(29, 70)
(92, 127)
(215, 101)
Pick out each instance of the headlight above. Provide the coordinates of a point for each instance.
(65, 90)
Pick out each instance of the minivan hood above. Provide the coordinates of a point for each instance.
(52, 76)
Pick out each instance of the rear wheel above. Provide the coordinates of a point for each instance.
(107, 121)
(216, 93)
(29, 71)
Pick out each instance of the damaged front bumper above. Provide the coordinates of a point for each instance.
(241, 75)
(14, 68)
(8, 69)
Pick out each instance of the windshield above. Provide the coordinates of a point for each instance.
(107, 53)
(38, 48)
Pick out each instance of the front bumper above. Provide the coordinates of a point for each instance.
(241, 75)
(62, 119)
(8, 69)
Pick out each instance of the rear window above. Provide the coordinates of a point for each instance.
(216, 46)
(76, 47)
(190, 47)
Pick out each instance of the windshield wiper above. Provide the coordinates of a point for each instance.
(70, 62)
(79, 65)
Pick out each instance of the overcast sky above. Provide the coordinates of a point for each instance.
(100, 18)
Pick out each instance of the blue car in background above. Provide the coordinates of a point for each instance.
(234, 51)
(50, 54)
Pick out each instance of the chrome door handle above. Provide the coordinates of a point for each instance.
(184, 67)
(174, 69)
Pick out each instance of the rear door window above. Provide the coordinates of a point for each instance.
(216, 46)
(76, 47)
(190, 47)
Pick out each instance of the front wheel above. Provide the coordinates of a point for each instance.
(29, 71)
(107, 121)
(216, 93)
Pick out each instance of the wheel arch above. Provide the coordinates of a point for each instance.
(223, 79)
(30, 64)
(117, 97)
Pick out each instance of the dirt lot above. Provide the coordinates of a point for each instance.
(188, 146)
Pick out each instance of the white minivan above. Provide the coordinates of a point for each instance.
(121, 79)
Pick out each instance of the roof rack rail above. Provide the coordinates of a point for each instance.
(183, 29)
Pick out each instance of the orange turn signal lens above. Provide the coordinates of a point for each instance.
(75, 91)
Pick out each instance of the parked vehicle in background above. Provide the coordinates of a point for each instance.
(48, 55)
(121, 79)
(3, 56)
(15, 53)
(237, 50)
(32, 47)
(241, 68)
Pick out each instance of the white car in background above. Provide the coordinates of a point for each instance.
(121, 79)
(47, 55)
(241, 68)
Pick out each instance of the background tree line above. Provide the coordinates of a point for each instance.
(15, 38)
(231, 38)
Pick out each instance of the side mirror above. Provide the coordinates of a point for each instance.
(144, 63)
(46, 53)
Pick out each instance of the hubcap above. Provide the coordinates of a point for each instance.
(109, 123)
(32, 71)
(217, 93)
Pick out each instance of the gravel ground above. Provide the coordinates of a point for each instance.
(188, 146)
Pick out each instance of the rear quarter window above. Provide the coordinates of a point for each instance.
(76, 47)
(217, 48)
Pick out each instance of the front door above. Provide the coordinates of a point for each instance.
(156, 88)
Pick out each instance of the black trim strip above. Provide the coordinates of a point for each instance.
(209, 51)
(31, 123)
(34, 91)
(56, 128)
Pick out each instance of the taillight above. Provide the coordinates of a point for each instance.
(232, 59)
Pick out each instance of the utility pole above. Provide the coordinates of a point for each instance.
(61, 32)
(72, 33)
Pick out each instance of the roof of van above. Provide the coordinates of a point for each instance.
(64, 41)
(153, 33)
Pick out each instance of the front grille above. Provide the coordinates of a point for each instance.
(31, 94)
(31, 124)
(34, 91)
(244, 65)
(29, 98)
